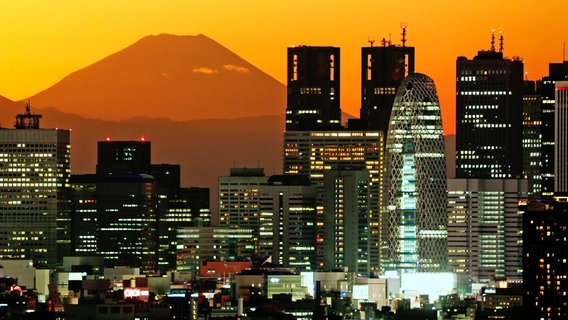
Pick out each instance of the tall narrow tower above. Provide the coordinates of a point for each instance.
(416, 236)
(556, 72)
(313, 88)
(561, 139)
(382, 70)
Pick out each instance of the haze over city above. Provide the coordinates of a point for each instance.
(42, 42)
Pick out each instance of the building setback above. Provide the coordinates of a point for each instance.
(34, 192)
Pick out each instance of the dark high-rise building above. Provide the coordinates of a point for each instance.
(85, 215)
(489, 105)
(561, 139)
(35, 192)
(114, 157)
(382, 71)
(313, 88)
(545, 253)
(556, 72)
(130, 210)
(532, 138)
(127, 226)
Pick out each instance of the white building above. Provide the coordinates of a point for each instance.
(34, 189)
(485, 228)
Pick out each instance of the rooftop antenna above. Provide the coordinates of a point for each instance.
(390, 42)
(403, 26)
(384, 42)
(371, 41)
(563, 51)
(492, 40)
(500, 41)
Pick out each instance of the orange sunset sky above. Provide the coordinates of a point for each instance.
(41, 41)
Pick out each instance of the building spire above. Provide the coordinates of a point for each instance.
(403, 26)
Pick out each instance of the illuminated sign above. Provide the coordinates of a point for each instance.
(136, 293)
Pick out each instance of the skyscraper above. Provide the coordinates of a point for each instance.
(127, 225)
(346, 220)
(382, 70)
(313, 153)
(547, 90)
(287, 221)
(561, 139)
(532, 138)
(35, 193)
(489, 104)
(484, 229)
(415, 225)
(313, 88)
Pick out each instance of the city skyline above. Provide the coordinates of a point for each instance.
(40, 39)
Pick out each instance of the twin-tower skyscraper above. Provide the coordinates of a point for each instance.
(314, 85)
(398, 140)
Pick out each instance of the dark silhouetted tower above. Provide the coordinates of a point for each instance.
(382, 71)
(119, 157)
(556, 72)
(313, 88)
(489, 105)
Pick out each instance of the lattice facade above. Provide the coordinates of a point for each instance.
(415, 224)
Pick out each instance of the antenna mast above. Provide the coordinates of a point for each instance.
(501, 41)
(403, 26)
(492, 40)
(371, 41)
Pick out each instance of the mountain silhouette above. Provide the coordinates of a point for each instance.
(167, 76)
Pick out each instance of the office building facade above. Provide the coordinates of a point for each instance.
(532, 138)
(489, 104)
(346, 220)
(212, 244)
(287, 221)
(415, 180)
(545, 271)
(382, 69)
(35, 192)
(547, 90)
(239, 198)
(313, 153)
(127, 225)
(561, 138)
(485, 229)
(313, 88)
